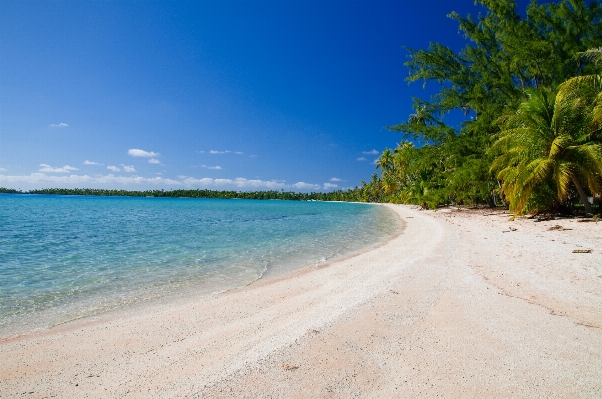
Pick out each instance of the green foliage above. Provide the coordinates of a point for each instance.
(506, 57)
(9, 191)
(551, 144)
(340, 195)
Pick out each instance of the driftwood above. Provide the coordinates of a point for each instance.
(582, 251)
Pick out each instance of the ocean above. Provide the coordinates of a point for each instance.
(64, 258)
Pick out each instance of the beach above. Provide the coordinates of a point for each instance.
(460, 304)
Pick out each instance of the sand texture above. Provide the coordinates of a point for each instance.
(459, 305)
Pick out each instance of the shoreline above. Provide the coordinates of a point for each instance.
(452, 306)
(194, 291)
(308, 269)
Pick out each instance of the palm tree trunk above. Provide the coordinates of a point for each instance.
(583, 195)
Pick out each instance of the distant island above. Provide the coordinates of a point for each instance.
(351, 195)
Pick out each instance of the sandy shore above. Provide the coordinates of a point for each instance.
(458, 305)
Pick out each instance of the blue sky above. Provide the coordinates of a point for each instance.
(243, 95)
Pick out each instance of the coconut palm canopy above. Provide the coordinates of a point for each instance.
(550, 145)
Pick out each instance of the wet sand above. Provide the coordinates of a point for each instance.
(458, 305)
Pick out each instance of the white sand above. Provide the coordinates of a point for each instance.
(453, 307)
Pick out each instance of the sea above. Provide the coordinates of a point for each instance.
(64, 258)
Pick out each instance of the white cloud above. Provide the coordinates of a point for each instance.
(214, 167)
(37, 178)
(128, 169)
(306, 186)
(239, 182)
(361, 159)
(201, 152)
(3, 170)
(335, 179)
(219, 152)
(239, 152)
(154, 160)
(329, 185)
(86, 162)
(113, 168)
(253, 156)
(184, 181)
(59, 125)
(371, 152)
(49, 169)
(135, 152)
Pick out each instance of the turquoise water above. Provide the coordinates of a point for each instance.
(68, 257)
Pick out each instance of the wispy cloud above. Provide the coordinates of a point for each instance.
(42, 178)
(335, 179)
(371, 152)
(135, 152)
(306, 186)
(113, 168)
(239, 182)
(184, 181)
(214, 167)
(154, 160)
(238, 152)
(86, 162)
(361, 159)
(3, 170)
(219, 152)
(59, 125)
(329, 185)
(128, 168)
(49, 169)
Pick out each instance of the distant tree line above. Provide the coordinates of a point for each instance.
(354, 194)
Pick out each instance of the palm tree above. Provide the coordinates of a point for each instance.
(385, 161)
(551, 142)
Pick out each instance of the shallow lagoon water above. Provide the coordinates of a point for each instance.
(67, 257)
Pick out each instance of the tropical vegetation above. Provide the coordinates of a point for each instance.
(517, 117)
(339, 195)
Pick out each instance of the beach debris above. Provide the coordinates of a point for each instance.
(510, 228)
(541, 217)
(393, 292)
(559, 228)
(288, 367)
(582, 251)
